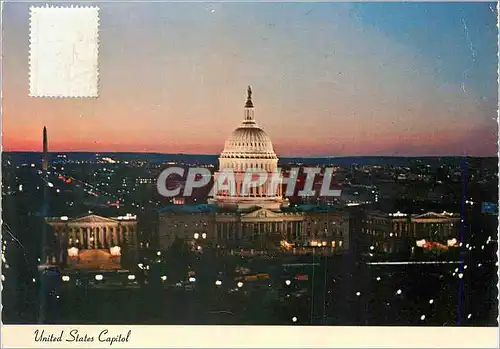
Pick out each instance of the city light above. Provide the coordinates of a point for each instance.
(73, 252)
(115, 251)
(304, 223)
(421, 243)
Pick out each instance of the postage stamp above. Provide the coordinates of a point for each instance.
(249, 174)
(63, 51)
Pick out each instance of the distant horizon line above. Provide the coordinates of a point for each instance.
(284, 156)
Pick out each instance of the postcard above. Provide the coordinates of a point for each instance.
(249, 174)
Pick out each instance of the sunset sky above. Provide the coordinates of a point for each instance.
(328, 79)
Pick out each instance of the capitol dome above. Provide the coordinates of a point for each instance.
(249, 141)
(249, 148)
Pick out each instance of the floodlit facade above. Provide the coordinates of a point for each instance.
(387, 230)
(257, 218)
(92, 241)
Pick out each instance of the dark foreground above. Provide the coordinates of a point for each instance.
(416, 294)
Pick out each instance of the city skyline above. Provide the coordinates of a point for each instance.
(391, 79)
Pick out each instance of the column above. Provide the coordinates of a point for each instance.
(80, 236)
(97, 234)
(119, 239)
(109, 232)
(105, 236)
(86, 237)
(104, 230)
(101, 237)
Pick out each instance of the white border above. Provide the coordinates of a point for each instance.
(22, 336)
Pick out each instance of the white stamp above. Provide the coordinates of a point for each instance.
(63, 51)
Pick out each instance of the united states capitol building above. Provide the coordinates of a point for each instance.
(258, 218)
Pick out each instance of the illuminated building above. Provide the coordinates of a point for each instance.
(387, 230)
(93, 242)
(248, 147)
(256, 219)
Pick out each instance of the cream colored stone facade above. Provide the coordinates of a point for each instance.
(253, 229)
(93, 232)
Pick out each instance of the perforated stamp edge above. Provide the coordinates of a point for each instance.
(30, 61)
